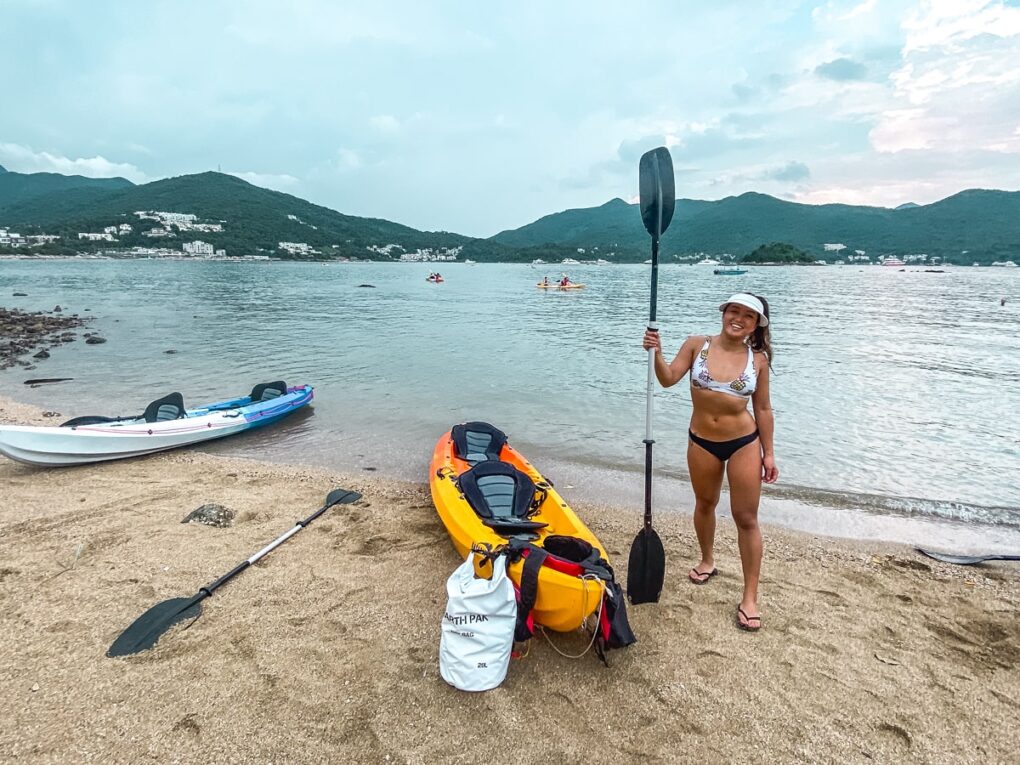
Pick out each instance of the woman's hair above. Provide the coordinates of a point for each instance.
(761, 338)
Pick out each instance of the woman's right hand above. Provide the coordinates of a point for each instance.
(652, 340)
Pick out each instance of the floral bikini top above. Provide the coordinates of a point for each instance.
(743, 386)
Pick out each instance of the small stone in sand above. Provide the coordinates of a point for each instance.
(94, 340)
(170, 351)
(43, 354)
(20, 294)
(211, 515)
(57, 309)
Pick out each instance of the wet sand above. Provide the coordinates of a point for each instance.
(327, 650)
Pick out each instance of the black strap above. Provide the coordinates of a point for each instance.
(529, 590)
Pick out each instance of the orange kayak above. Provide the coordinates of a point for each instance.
(563, 600)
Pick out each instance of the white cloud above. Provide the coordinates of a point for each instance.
(958, 88)
(281, 182)
(348, 159)
(23, 159)
(385, 123)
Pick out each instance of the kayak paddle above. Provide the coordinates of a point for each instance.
(646, 568)
(964, 560)
(147, 628)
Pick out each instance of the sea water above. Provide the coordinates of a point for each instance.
(896, 393)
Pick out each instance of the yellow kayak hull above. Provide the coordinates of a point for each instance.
(555, 286)
(563, 601)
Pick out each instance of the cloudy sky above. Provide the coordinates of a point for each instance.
(480, 116)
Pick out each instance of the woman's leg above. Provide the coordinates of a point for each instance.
(706, 472)
(744, 472)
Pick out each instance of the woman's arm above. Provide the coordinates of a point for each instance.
(762, 405)
(672, 373)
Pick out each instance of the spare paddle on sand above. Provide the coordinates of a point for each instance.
(646, 568)
(963, 560)
(147, 628)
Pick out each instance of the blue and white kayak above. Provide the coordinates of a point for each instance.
(166, 424)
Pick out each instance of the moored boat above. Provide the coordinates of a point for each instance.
(729, 271)
(165, 424)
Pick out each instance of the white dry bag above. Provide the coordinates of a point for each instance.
(478, 627)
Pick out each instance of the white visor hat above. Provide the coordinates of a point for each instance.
(748, 301)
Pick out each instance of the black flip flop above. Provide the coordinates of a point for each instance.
(703, 576)
(747, 627)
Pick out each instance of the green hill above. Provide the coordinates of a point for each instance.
(975, 225)
(777, 252)
(254, 219)
(18, 188)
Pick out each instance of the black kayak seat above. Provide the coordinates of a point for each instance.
(90, 419)
(501, 495)
(268, 391)
(476, 442)
(169, 407)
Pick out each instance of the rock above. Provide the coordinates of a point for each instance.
(211, 515)
(53, 414)
(20, 294)
(95, 340)
(43, 354)
(170, 351)
(367, 285)
(57, 309)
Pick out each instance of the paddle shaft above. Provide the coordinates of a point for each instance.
(652, 327)
(210, 588)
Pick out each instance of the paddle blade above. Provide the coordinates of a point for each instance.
(657, 190)
(147, 628)
(341, 497)
(964, 560)
(646, 568)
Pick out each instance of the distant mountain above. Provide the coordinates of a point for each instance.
(2, 169)
(19, 188)
(254, 218)
(906, 206)
(975, 225)
(985, 224)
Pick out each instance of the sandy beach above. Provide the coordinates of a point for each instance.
(327, 650)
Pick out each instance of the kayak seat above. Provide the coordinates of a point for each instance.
(268, 391)
(476, 442)
(169, 407)
(502, 496)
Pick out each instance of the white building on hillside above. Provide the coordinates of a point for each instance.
(199, 249)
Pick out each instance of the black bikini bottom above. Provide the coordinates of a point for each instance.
(723, 450)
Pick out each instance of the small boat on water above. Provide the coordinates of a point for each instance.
(729, 271)
(165, 424)
(893, 262)
(558, 286)
(709, 262)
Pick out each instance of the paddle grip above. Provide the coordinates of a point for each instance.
(210, 588)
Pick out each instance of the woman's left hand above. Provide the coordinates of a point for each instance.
(769, 471)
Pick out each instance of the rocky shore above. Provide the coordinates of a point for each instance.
(25, 332)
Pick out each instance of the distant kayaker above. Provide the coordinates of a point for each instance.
(564, 281)
(1002, 302)
(545, 281)
(728, 370)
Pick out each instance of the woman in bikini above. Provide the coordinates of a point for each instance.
(727, 370)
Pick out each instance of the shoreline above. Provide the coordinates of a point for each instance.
(327, 650)
(798, 511)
